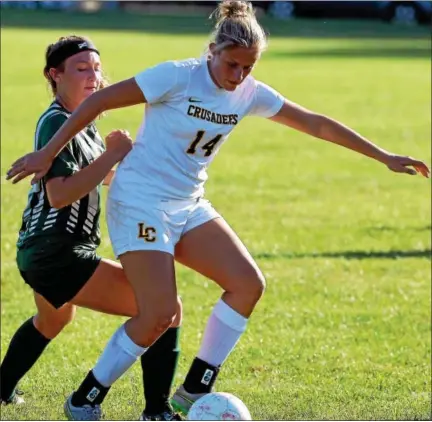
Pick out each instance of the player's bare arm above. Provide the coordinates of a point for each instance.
(328, 129)
(122, 94)
(108, 178)
(63, 191)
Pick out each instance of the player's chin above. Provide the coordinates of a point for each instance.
(229, 86)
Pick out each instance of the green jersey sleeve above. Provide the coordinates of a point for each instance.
(66, 163)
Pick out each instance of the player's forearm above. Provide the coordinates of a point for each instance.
(121, 94)
(337, 133)
(108, 178)
(81, 183)
(80, 118)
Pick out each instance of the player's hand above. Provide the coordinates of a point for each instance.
(37, 163)
(118, 143)
(408, 165)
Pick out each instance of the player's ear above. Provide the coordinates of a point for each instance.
(54, 74)
(212, 48)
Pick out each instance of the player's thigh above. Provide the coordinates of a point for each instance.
(141, 227)
(214, 250)
(143, 237)
(152, 276)
(108, 291)
(50, 320)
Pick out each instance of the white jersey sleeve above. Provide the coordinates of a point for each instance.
(159, 82)
(267, 101)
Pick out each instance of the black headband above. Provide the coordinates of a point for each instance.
(67, 50)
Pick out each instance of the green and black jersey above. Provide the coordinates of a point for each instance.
(44, 227)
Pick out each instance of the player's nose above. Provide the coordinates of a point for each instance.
(92, 75)
(237, 75)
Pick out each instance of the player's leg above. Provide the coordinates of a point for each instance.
(159, 365)
(214, 250)
(29, 342)
(143, 237)
(87, 281)
(109, 291)
(106, 291)
(151, 274)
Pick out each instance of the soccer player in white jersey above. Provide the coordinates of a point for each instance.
(156, 212)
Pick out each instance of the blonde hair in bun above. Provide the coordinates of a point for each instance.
(236, 25)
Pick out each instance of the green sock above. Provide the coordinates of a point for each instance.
(159, 364)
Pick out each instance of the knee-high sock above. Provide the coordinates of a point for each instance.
(119, 355)
(224, 328)
(24, 350)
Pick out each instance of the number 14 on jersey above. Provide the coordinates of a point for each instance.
(207, 147)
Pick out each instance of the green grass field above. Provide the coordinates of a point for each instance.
(344, 329)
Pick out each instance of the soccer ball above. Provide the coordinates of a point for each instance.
(219, 407)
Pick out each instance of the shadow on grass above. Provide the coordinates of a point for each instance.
(357, 255)
(179, 24)
(384, 52)
(376, 229)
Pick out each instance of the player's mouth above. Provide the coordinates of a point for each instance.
(91, 88)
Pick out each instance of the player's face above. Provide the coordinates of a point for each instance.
(231, 66)
(81, 77)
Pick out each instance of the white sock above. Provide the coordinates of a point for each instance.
(224, 328)
(119, 355)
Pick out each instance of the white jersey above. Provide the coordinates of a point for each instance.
(187, 119)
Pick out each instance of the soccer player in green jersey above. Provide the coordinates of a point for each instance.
(60, 234)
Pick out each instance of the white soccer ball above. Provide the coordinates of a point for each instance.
(219, 407)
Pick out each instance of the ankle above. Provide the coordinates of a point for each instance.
(201, 377)
(91, 392)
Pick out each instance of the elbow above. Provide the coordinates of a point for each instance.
(58, 199)
(96, 107)
(58, 193)
(92, 106)
(57, 202)
(319, 126)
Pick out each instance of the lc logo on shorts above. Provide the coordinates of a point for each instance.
(146, 233)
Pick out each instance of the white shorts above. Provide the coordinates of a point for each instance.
(155, 226)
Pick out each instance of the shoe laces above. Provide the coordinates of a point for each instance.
(93, 413)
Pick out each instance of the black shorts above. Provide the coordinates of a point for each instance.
(61, 281)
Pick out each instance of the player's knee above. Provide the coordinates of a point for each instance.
(253, 285)
(258, 285)
(52, 324)
(163, 323)
(161, 319)
(164, 318)
(166, 315)
(155, 332)
(179, 313)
